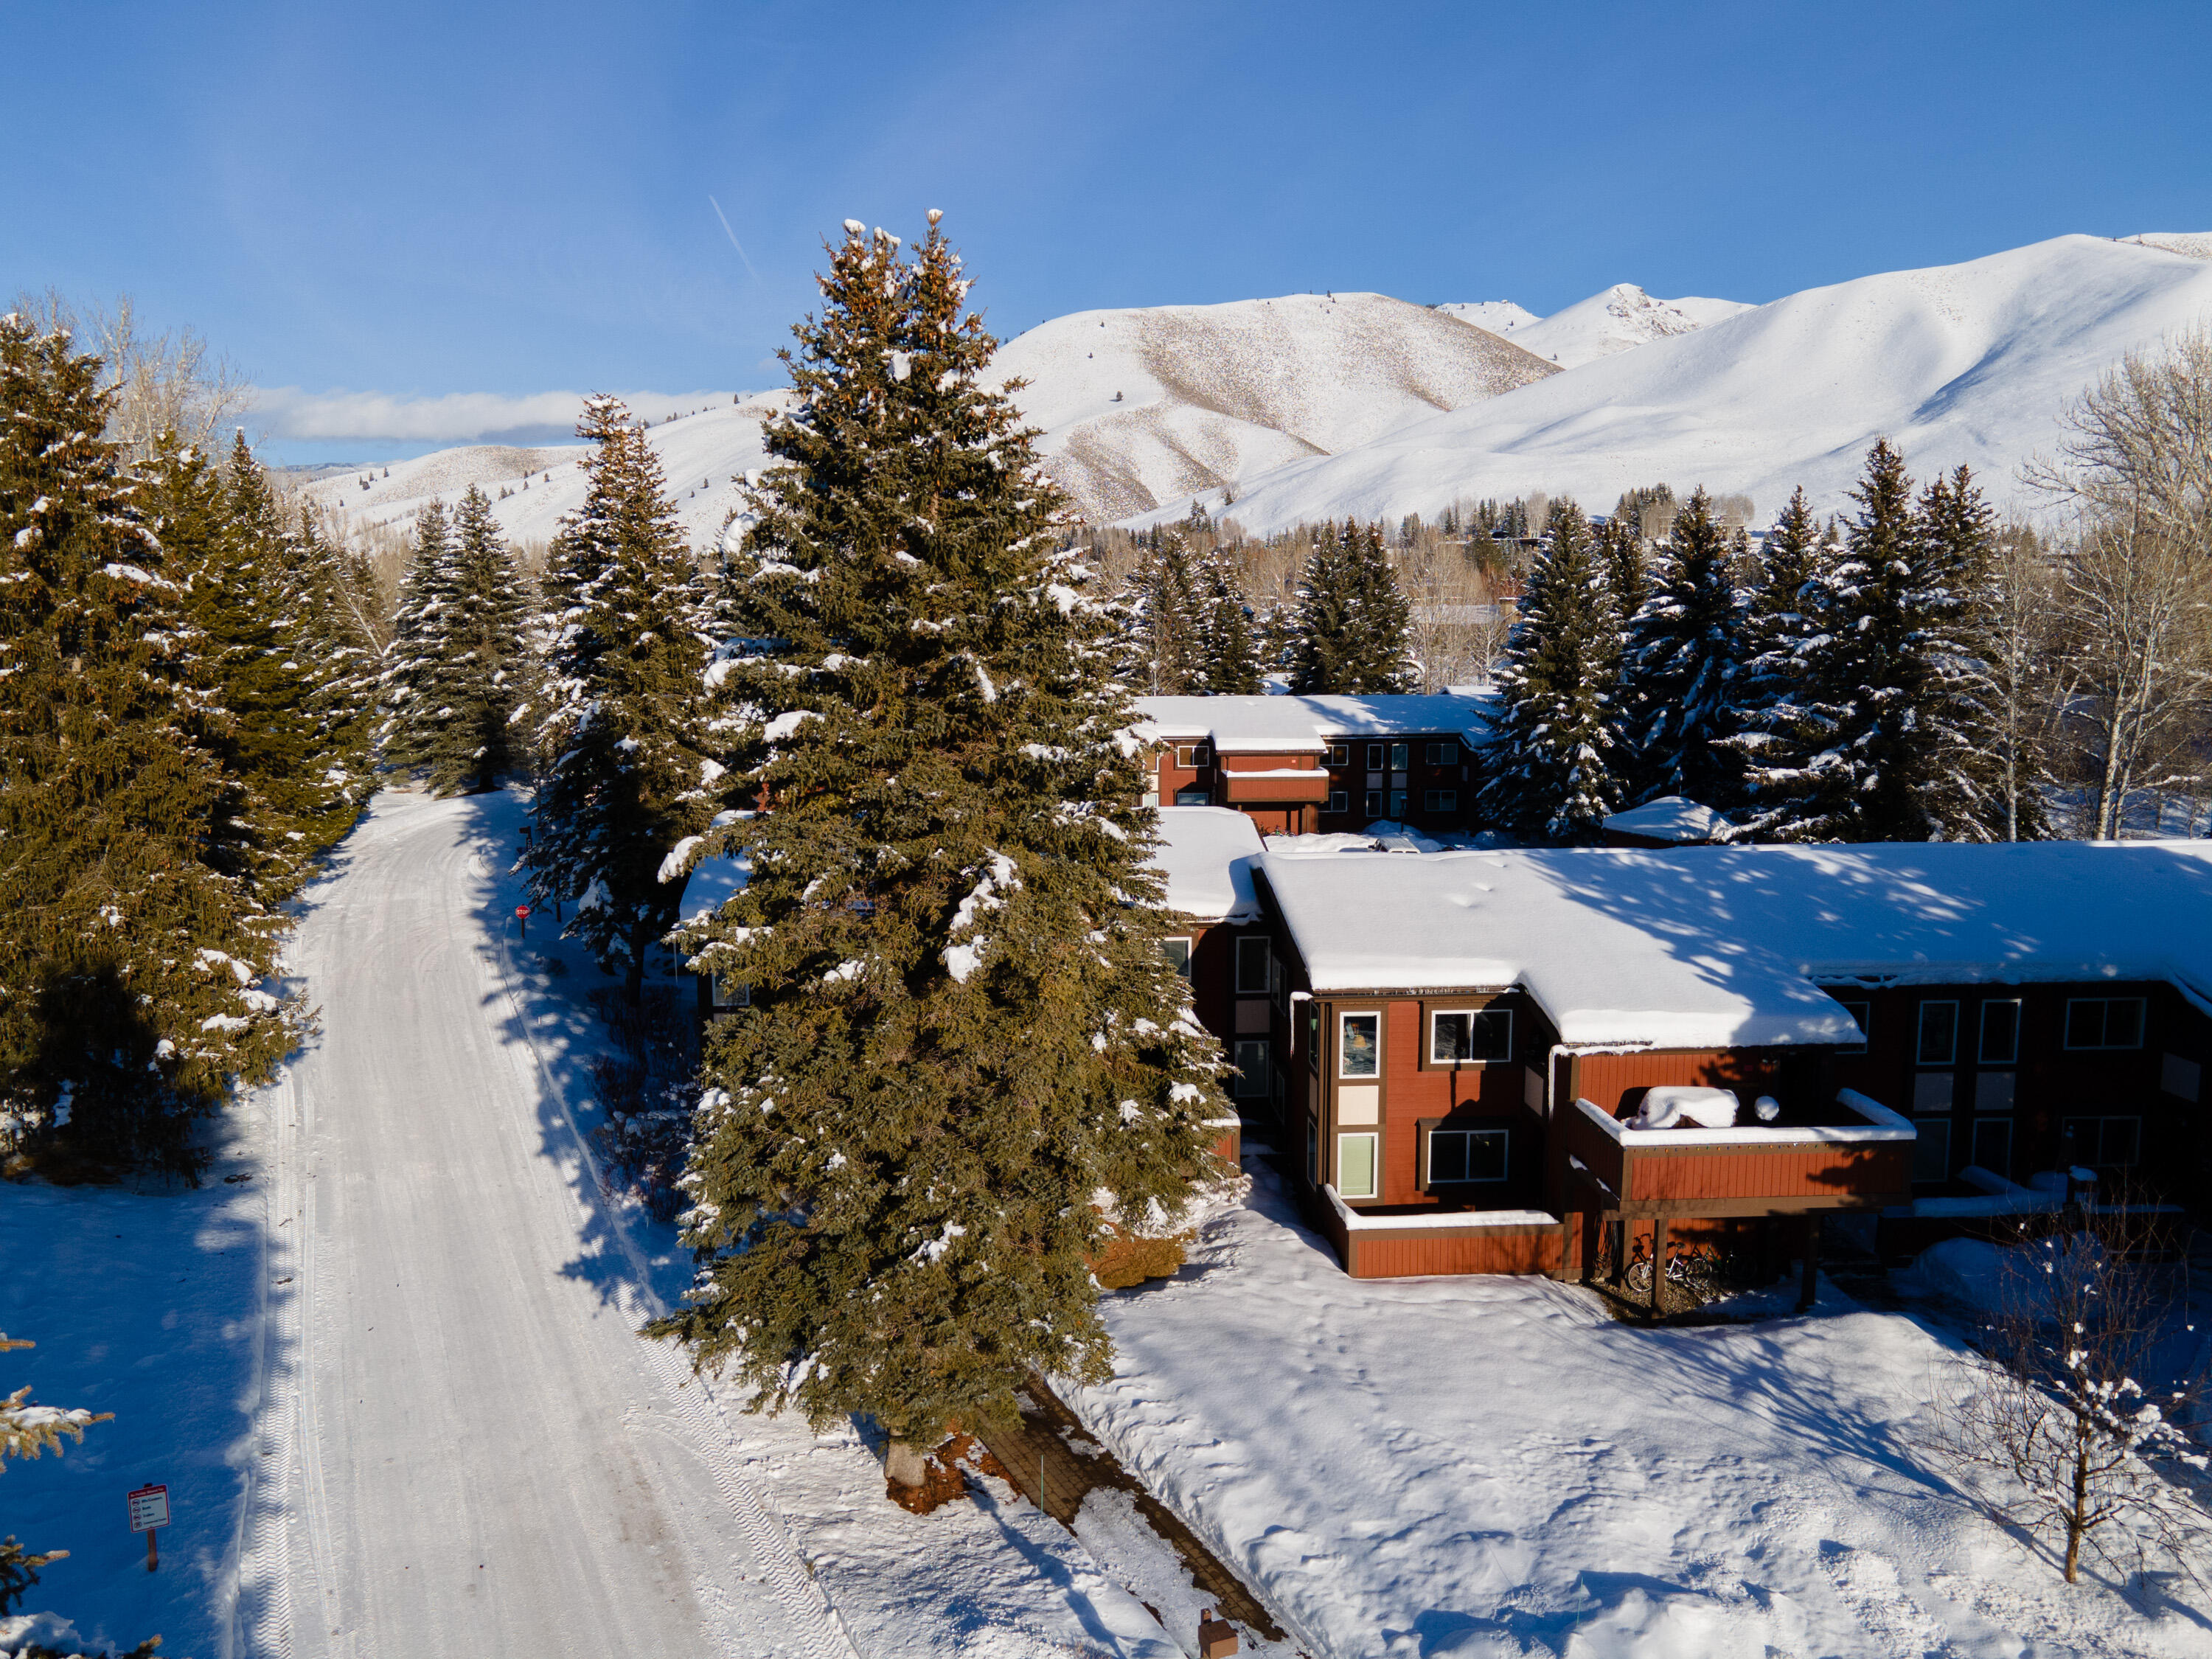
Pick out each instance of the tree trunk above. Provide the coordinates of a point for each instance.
(904, 1465)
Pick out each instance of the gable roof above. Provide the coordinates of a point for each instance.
(1306, 725)
(1717, 946)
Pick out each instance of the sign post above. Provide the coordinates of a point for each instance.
(522, 919)
(149, 1512)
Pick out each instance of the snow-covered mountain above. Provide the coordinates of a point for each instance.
(1619, 319)
(1139, 407)
(1970, 364)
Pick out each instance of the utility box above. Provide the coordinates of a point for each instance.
(1216, 1637)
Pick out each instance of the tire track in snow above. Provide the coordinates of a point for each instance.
(691, 1394)
(260, 1621)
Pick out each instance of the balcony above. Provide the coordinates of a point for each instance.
(1275, 787)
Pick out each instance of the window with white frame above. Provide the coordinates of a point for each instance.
(1251, 1058)
(1355, 1164)
(1457, 1036)
(1400, 754)
(1398, 798)
(1254, 958)
(2105, 1023)
(1339, 754)
(1360, 1045)
(2000, 1037)
(1443, 754)
(732, 993)
(1939, 1034)
(1375, 757)
(1374, 803)
(1440, 800)
(1340, 800)
(1178, 952)
(1466, 1155)
(1191, 754)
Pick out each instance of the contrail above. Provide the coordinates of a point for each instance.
(733, 235)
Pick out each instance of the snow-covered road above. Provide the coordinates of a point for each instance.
(466, 1449)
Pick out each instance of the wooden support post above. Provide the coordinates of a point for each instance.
(1810, 1267)
(1658, 1259)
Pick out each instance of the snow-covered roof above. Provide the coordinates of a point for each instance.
(1713, 946)
(1206, 854)
(1673, 818)
(711, 883)
(1305, 725)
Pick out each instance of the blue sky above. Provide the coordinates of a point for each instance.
(419, 201)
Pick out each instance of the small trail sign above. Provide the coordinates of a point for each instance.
(149, 1512)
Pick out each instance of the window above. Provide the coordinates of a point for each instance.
(2105, 1023)
(732, 993)
(1190, 754)
(1375, 803)
(1313, 1037)
(1398, 804)
(1399, 753)
(2000, 1044)
(1443, 754)
(1251, 1068)
(1457, 1155)
(1939, 1034)
(1471, 1034)
(1375, 757)
(1193, 798)
(1340, 800)
(1355, 1165)
(1360, 1045)
(1862, 1014)
(1254, 958)
(1993, 1146)
(1440, 800)
(1931, 1151)
(1339, 754)
(1178, 952)
(2104, 1143)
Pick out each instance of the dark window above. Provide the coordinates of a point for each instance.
(1931, 1150)
(2105, 1023)
(1862, 1014)
(730, 994)
(1440, 800)
(1190, 754)
(1193, 798)
(1253, 959)
(1340, 800)
(1993, 1144)
(1443, 754)
(1456, 1155)
(2105, 1143)
(1251, 1067)
(1470, 1035)
(1939, 1034)
(1339, 754)
(1375, 803)
(2000, 1044)
(1313, 1037)
(1398, 804)
(1178, 952)
(1375, 757)
(1399, 752)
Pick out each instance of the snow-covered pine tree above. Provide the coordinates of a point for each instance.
(1983, 800)
(1874, 741)
(963, 1039)
(460, 665)
(130, 961)
(1229, 647)
(1548, 770)
(626, 773)
(1680, 667)
(1352, 631)
(1621, 542)
(1161, 621)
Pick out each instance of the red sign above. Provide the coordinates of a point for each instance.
(522, 910)
(149, 1508)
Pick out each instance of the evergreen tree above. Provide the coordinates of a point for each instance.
(1549, 767)
(1681, 668)
(130, 944)
(459, 673)
(1622, 544)
(1162, 623)
(964, 1041)
(1874, 741)
(628, 775)
(1352, 628)
(1229, 647)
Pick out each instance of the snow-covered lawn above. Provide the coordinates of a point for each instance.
(1492, 1467)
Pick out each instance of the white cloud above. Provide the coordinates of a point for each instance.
(288, 412)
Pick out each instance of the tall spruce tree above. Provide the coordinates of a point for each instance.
(1549, 766)
(130, 945)
(1229, 647)
(1874, 741)
(1352, 628)
(1681, 668)
(627, 770)
(1621, 542)
(1162, 622)
(458, 671)
(964, 1041)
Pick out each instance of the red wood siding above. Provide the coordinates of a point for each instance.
(1829, 1170)
(1605, 1080)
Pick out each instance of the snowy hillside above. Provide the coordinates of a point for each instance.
(1140, 406)
(703, 453)
(1621, 318)
(1971, 362)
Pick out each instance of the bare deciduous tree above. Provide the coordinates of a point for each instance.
(167, 382)
(2136, 447)
(2062, 1416)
